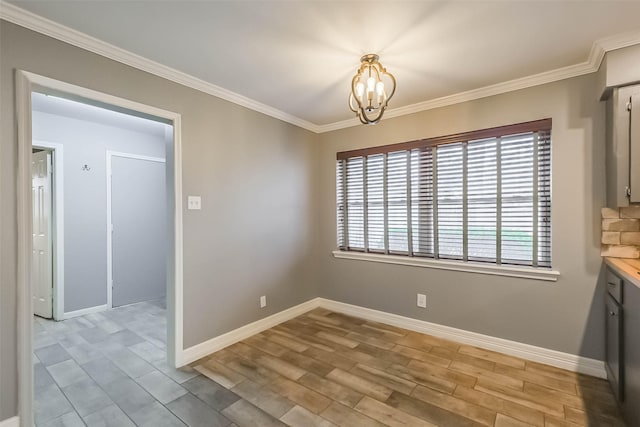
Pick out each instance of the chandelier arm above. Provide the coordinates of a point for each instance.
(376, 69)
(393, 79)
(374, 120)
(351, 98)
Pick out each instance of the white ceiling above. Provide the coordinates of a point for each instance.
(81, 111)
(298, 57)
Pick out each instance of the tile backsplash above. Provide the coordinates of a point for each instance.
(621, 232)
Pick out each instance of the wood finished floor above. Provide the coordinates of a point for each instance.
(325, 368)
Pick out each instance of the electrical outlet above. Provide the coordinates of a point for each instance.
(422, 301)
(263, 301)
(194, 203)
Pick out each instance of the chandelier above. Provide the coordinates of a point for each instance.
(371, 89)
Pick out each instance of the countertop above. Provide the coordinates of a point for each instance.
(628, 268)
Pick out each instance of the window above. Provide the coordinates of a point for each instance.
(479, 196)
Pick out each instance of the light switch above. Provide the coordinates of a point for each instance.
(194, 203)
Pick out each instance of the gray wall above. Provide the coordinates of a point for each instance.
(85, 197)
(564, 316)
(256, 175)
(268, 219)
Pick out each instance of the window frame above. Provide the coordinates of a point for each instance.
(537, 127)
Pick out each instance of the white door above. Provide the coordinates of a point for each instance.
(42, 262)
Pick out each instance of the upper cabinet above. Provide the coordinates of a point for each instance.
(633, 110)
(623, 146)
(619, 80)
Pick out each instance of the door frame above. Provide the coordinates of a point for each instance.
(57, 223)
(110, 155)
(26, 83)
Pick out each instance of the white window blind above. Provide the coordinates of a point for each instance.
(480, 196)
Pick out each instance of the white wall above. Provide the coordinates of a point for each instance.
(85, 197)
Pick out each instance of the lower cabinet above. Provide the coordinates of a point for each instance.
(631, 337)
(622, 358)
(614, 351)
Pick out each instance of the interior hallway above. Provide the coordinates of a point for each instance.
(109, 369)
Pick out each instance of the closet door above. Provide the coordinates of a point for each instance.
(139, 230)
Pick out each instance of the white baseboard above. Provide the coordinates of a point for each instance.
(96, 309)
(555, 358)
(10, 422)
(198, 351)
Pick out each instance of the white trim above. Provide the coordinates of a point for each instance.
(58, 214)
(10, 422)
(84, 311)
(555, 358)
(26, 83)
(468, 267)
(483, 92)
(599, 48)
(109, 155)
(48, 85)
(175, 270)
(24, 87)
(24, 18)
(136, 156)
(198, 351)
(591, 65)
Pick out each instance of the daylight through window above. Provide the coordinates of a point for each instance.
(479, 196)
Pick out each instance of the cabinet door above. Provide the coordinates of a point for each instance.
(631, 340)
(633, 110)
(614, 354)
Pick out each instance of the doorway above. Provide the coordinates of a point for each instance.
(26, 84)
(97, 140)
(136, 218)
(42, 260)
(47, 289)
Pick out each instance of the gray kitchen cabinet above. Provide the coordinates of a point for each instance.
(623, 344)
(634, 137)
(623, 146)
(614, 351)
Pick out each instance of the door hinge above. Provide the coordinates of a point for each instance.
(627, 191)
(629, 104)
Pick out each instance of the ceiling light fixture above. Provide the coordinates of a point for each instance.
(371, 89)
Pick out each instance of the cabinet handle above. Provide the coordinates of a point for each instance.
(611, 284)
(613, 313)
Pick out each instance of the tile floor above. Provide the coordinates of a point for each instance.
(109, 369)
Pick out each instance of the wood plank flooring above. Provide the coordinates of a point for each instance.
(325, 368)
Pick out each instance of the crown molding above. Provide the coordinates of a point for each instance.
(591, 65)
(617, 41)
(483, 92)
(19, 16)
(37, 23)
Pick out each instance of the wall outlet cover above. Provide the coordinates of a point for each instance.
(422, 301)
(263, 301)
(194, 203)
